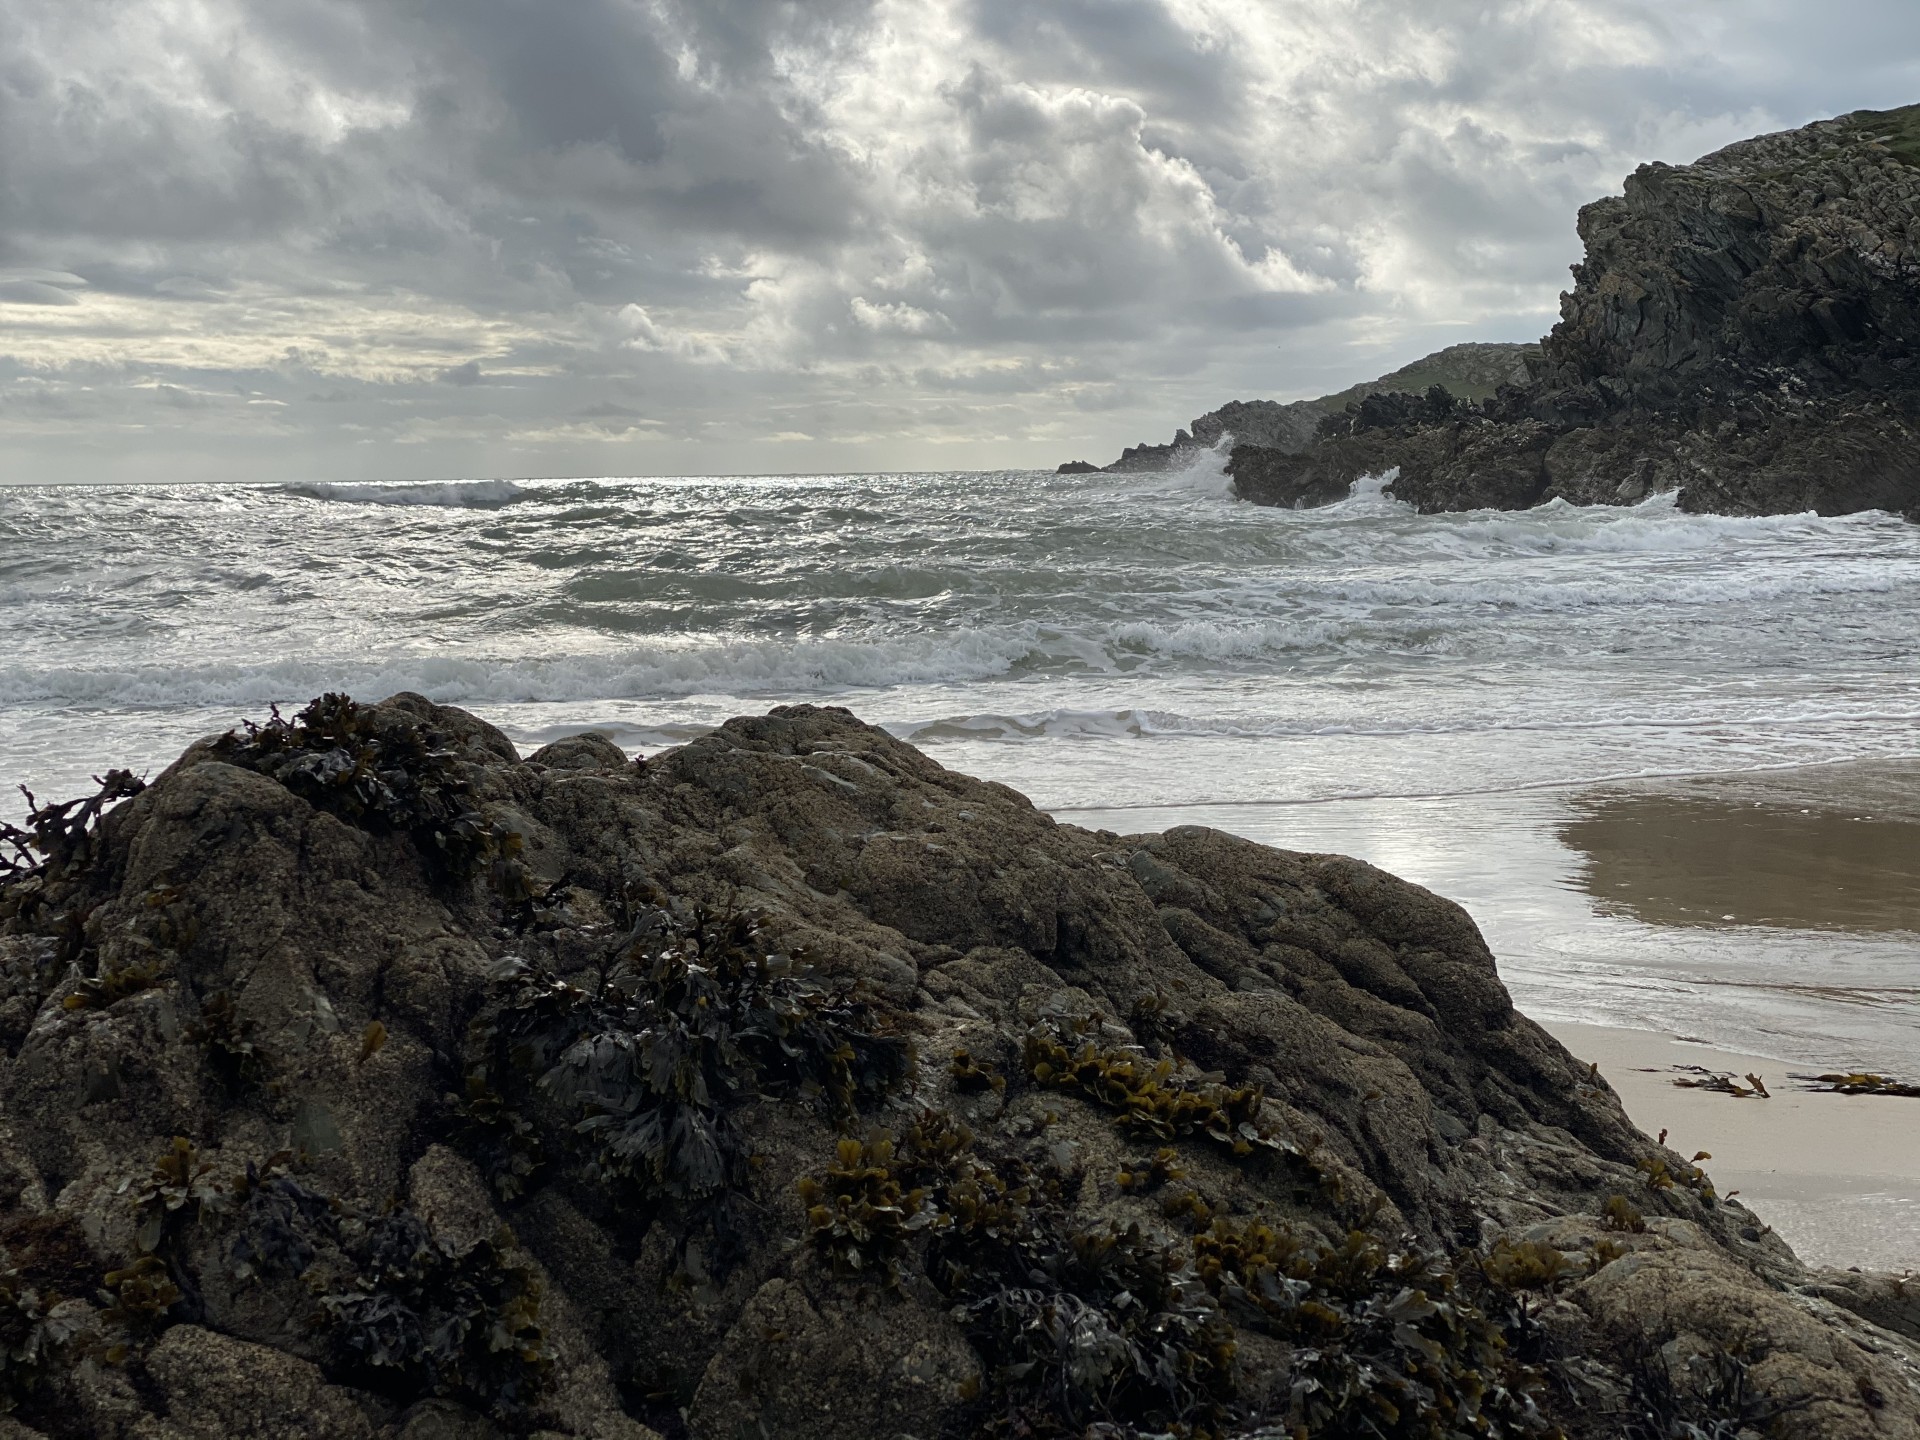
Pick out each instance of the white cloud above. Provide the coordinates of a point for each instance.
(896, 317)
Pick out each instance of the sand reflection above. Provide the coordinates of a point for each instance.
(1688, 860)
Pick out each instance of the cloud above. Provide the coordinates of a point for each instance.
(874, 229)
(34, 292)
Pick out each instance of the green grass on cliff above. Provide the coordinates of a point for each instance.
(1898, 130)
(1467, 372)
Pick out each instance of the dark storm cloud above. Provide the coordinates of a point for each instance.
(754, 234)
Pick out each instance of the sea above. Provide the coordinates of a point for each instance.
(1444, 696)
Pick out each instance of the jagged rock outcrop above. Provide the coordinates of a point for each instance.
(361, 1075)
(1745, 329)
(1473, 371)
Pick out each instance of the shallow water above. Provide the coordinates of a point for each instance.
(1430, 692)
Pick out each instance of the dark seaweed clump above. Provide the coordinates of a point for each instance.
(403, 1310)
(60, 841)
(44, 867)
(48, 1268)
(1147, 1097)
(418, 1314)
(406, 1311)
(1856, 1082)
(1242, 1330)
(379, 771)
(653, 1056)
(1712, 1398)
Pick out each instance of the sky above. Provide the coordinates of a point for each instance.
(366, 239)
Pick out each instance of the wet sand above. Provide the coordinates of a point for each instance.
(1837, 1176)
(1833, 847)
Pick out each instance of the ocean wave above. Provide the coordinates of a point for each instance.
(1228, 640)
(766, 667)
(452, 494)
(1136, 724)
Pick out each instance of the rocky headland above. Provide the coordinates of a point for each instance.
(1744, 330)
(1469, 372)
(359, 1077)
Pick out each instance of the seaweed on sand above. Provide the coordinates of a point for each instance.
(1858, 1083)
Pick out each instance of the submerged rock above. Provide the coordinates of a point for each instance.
(1745, 329)
(453, 1093)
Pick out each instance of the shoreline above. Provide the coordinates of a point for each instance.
(1836, 1176)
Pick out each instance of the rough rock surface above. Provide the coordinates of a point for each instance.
(1468, 372)
(1745, 329)
(1404, 1099)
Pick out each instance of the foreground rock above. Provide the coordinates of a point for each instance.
(1745, 329)
(361, 1078)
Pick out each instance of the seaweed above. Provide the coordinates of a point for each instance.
(282, 1222)
(233, 1054)
(39, 1331)
(504, 1143)
(1661, 1176)
(60, 841)
(138, 1301)
(1698, 1077)
(1519, 1265)
(861, 1214)
(1145, 1175)
(525, 903)
(1385, 1342)
(1857, 1083)
(181, 1186)
(114, 984)
(421, 1315)
(1113, 1327)
(1716, 1402)
(655, 1056)
(402, 1309)
(970, 1077)
(1620, 1216)
(379, 771)
(1139, 1331)
(1148, 1096)
(41, 865)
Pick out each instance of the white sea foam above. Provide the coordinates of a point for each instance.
(642, 672)
(461, 494)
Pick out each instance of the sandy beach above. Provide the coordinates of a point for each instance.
(1837, 1176)
(1833, 848)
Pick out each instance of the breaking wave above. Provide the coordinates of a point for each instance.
(457, 494)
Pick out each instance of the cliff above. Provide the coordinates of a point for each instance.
(1470, 372)
(359, 1077)
(1744, 329)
